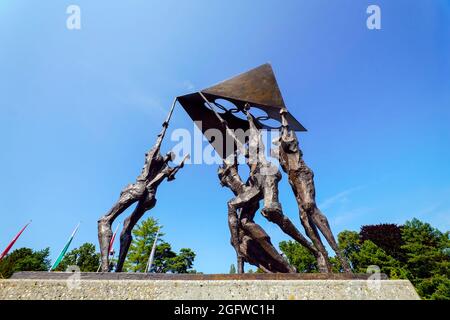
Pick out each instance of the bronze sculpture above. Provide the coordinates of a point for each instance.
(250, 241)
(258, 89)
(143, 191)
(262, 185)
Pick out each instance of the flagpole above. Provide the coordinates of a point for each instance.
(9, 246)
(64, 250)
(152, 253)
(110, 251)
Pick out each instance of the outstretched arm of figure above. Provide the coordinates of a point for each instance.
(159, 178)
(168, 173)
(229, 176)
(177, 168)
(284, 122)
(165, 124)
(154, 151)
(250, 119)
(256, 144)
(288, 138)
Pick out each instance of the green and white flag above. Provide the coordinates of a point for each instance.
(64, 250)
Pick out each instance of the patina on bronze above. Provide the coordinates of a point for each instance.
(156, 169)
(251, 243)
(301, 179)
(258, 88)
(261, 185)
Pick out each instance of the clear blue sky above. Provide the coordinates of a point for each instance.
(78, 109)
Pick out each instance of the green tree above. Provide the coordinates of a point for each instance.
(336, 266)
(181, 262)
(427, 259)
(387, 236)
(426, 249)
(298, 256)
(421, 254)
(349, 243)
(85, 257)
(140, 248)
(165, 259)
(232, 269)
(362, 254)
(370, 254)
(24, 259)
(435, 288)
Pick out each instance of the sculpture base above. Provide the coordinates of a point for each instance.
(128, 286)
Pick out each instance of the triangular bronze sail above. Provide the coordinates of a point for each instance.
(257, 87)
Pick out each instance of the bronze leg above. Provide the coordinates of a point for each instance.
(257, 234)
(321, 254)
(305, 194)
(233, 224)
(276, 216)
(128, 225)
(233, 205)
(128, 196)
(322, 223)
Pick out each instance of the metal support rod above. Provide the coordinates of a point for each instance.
(165, 125)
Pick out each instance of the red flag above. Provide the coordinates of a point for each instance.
(5, 252)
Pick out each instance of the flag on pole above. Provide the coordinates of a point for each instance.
(5, 252)
(111, 249)
(64, 250)
(152, 253)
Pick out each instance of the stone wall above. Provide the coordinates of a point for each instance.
(73, 288)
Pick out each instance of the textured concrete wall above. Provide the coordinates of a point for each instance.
(206, 289)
